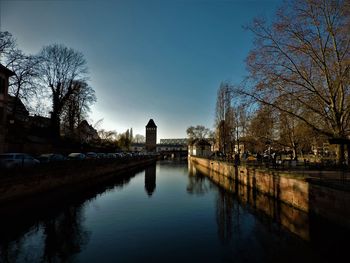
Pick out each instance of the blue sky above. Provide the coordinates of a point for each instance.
(147, 59)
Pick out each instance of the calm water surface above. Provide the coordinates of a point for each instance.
(163, 214)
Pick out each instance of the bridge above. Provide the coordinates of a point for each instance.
(175, 151)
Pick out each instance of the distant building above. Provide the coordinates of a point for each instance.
(151, 136)
(16, 110)
(171, 147)
(167, 145)
(181, 141)
(86, 132)
(200, 147)
(137, 147)
(41, 122)
(5, 73)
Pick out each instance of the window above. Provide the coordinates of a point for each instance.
(2, 85)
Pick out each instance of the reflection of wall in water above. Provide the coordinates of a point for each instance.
(150, 179)
(55, 221)
(295, 220)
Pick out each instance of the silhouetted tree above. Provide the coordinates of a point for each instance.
(124, 140)
(138, 138)
(7, 45)
(78, 105)
(131, 135)
(23, 84)
(61, 70)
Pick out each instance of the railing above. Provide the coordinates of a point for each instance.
(326, 172)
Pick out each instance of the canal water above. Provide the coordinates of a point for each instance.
(164, 213)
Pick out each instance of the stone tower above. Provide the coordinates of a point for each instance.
(151, 136)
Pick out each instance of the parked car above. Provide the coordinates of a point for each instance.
(51, 157)
(111, 155)
(101, 155)
(12, 160)
(76, 156)
(91, 155)
(119, 155)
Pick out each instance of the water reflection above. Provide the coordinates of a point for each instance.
(197, 183)
(113, 220)
(150, 179)
(51, 228)
(64, 236)
(228, 212)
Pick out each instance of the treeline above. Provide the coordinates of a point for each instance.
(297, 93)
(53, 82)
(121, 140)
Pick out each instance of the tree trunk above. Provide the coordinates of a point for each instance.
(55, 125)
(340, 154)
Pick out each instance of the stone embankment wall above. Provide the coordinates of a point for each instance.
(296, 191)
(291, 218)
(17, 184)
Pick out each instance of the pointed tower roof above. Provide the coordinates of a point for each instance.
(151, 124)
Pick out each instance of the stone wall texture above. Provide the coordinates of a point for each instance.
(295, 191)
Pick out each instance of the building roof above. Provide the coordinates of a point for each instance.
(6, 71)
(17, 103)
(151, 124)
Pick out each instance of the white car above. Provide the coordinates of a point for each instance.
(12, 160)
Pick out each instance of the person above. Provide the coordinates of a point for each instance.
(236, 160)
(258, 157)
(273, 155)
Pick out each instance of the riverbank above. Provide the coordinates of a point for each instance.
(24, 183)
(294, 190)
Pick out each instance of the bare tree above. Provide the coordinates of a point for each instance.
(124, 140)
(60, 69)
(78, 105)
(294, 134)
(138, 138)
(23, 83)
(7, 45)
(197, 132)
(303, 59)
(261, 129)
(224, 119)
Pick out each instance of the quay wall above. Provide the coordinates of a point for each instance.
(19, 184)
(293, 190)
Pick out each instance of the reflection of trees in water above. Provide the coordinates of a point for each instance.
(150, 179)
(64, 236)
(198, 184)
(226, 206)
(61, 238)
(51, 230)
(227, 215)
(9, 251)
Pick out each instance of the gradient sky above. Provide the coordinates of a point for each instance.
(147, 59)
